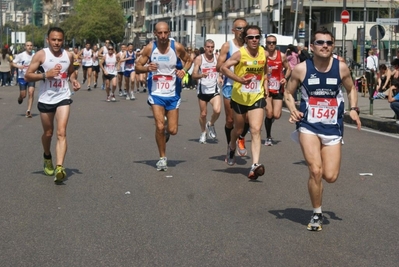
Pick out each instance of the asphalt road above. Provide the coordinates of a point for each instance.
(115, 209)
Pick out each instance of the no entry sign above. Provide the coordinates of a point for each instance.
(345, 16)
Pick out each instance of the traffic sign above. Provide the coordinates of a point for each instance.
(377, 32)
(392, 21)
(345, 16)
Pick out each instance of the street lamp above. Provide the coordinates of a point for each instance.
(192, 19)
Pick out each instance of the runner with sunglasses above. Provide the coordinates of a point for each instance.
(227, 50)
(319, 120)
(250, 89)
(276, 61)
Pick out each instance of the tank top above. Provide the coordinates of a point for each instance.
(95, 58)
(122, 63)
(129, 64)
(110, 64)
(164, 79)
(76, 59)
(248, 94)
(275, 71)
(208, 85)
(54, 90)
(322, 100)
(87, 60)
(23, 59)
(232, 49)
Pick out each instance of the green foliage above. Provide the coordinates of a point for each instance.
(95, 20)
(35, 35)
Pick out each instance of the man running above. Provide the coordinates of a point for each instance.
(274, 103)
(108, 64)
(227, 50)
(56, 68)
(207, 89)
(87, 64)
(319, 120)
(101, 53)
(121, 71)
(128, 58)
(96, 66)
(250, 89)
(21, 62)
(165, 71)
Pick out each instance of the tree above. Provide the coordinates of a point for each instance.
(95, 20)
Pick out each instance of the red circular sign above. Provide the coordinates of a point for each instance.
(345, 16)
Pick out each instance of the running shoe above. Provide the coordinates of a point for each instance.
(316, 222)
(162, 164)
(60, 174)
(202, 139)
(132, 97)
(211, 130)
(48, 167)
(241, 150)
(20, 100)
(88, 88)
(127, 97)
(124, 92)
(113, 98)
(230, 157)
(256, 171)
(103, 87)
(108, 98)
(144, 89)
(95, 85)
(28, 114)
(268, 142)
(84, 80)
(167, 134)
(120, 93)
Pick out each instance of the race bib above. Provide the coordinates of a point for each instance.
(211, 72)
(163, 83)
(274, 84)
(324, 110)
(254, 86)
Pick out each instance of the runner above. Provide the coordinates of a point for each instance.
(96, 66)
(128, 58)
(108, 64)
(21, 62)
(207, 89)
(226, 51)
(319, 120)
(276, 61)
(87, 64)
(101, 53)
(165, 71)
(121, 71)
(76, 60)
(54, 96)
(250, 89)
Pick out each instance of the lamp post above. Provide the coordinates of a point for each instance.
(192, 20)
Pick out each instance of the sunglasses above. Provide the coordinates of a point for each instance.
(239, 28)
(322, 42)
(250, 37)
(110, 49)
(271, 43)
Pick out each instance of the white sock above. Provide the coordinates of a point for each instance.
(317, 210)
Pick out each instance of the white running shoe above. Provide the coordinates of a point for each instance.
(120, 93)
(162, 164)
(132, 97)
(211, 130)
(202, 139)
(113, 98)
(108, 98)
(127, 97)
(124, 92)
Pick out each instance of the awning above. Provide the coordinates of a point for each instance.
(394, 44)
(127, 17)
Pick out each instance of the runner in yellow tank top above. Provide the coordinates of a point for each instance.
(249, 67)
(249, 93)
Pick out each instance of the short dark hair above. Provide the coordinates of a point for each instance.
(55, 29)
(249, 27)
(322, 31)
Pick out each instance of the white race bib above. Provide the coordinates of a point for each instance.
(324, 110)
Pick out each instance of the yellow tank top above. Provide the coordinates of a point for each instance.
(248, 94)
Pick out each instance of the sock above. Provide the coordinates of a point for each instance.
(244, 132)
(268, 127)
(228, 134)
(317, 210)
(47, 156)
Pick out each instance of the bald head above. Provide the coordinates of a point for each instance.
(162, 25)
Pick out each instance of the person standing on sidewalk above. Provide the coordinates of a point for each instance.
(248, 97)
(227, 50)
(319, 120)
(207, 89)
(371, 71)
(56, 68)
(21, 62)
(165, 71)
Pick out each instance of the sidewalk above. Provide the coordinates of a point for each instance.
(382, 117)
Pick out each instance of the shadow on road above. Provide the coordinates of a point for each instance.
(302, 216)
(152, 163)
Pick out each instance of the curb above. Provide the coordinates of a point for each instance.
(379, 124)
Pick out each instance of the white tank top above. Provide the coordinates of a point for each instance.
(54, 90)
(208, 85)
(164, 79)
(122, 64)
(23, 59)
(87, 60)
(110, 64)
(95, 58)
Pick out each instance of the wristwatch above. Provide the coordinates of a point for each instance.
(356, 109)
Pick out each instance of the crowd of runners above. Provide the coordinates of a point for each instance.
(250, 80)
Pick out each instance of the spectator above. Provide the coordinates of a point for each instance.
(371, 70)
(5, 68)
(303, 54)
(395, 71)
(393, 98)
(383, 83)
(292, 56)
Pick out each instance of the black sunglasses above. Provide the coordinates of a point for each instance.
(110, 49)
(322, 42)
(269, 43)
(250, 37)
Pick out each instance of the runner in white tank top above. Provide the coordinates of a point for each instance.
(121, 70)
(87, 64)
(52, 66)
(207, 89)
(109, 64)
